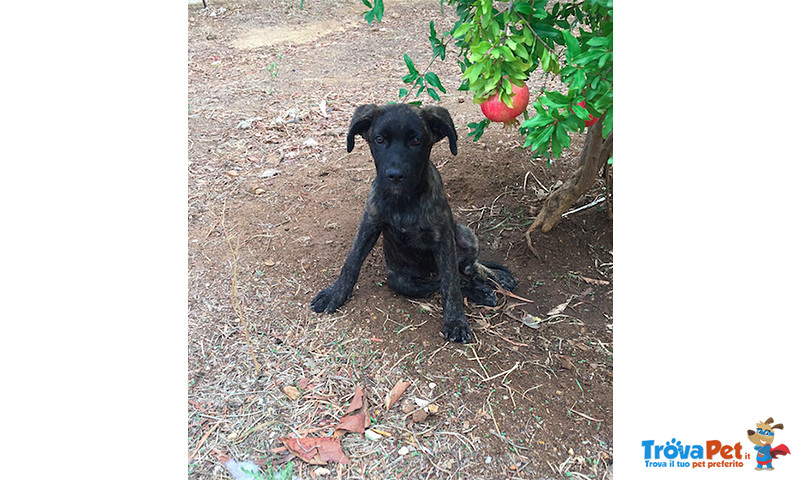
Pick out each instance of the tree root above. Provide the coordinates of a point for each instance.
(594, 156)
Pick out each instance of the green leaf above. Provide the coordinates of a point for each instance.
(545, 57)
(542, 139)
(433, 94)
(608, 122)
(462, 30)
(473, 72)
(573, 47)
(477, 129)
(573, 123)
(578, 81)
(410, 64)
(599, 41)
(507, 99)
(376, 13)
(559, 100)
(603, 60)
(403, 92)
(563, 136)
(433, 79)
(581, 112)
(537, 121)
(523, 8)
(411, 77)
(556, 145)
(378, 10)
(587, 57)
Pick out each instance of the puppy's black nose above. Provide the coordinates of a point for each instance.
(394, 175)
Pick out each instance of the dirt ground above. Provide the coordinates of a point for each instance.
(274, 202)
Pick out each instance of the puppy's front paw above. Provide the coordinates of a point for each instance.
(330, 299)
(457, 331)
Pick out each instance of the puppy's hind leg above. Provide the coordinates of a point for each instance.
(479, 278)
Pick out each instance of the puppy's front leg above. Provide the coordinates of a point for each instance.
(338, 292)
(455, 328)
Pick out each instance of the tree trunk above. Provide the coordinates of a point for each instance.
(595, 154)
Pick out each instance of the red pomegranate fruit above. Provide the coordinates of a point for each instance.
(495, 110)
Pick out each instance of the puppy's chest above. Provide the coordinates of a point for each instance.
(412, 233)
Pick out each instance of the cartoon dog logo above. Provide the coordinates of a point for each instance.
(763, 438)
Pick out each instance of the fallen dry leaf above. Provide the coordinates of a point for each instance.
(316, 450)
(356, 418)
(291, 392)
(560, 307)
(394, 395)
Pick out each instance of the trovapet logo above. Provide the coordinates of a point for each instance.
(711, 454)
(715, 453)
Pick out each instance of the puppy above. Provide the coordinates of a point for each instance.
(424, 248)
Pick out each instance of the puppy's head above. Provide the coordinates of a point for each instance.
(400, 138)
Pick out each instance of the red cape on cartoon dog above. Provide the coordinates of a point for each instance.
(779, 450)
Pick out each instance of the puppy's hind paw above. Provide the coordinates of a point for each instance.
(479, 294)
(501, 275)
(458, 332)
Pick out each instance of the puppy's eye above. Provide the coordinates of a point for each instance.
(416, 141)
(379, 140)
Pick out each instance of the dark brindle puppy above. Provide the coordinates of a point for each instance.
(425, 248)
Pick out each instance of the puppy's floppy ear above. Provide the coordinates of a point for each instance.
(362, 120)
(440, 123)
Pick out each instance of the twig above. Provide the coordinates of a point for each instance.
(478, 360)
(203, 440)
(506, 372)
(501, 437)
(237, 306)
(584, 415)
(589, 205)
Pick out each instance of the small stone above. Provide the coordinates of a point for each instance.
(321, 471)
(488, 460)
(232, 173)
(419, 416)
(407, 406)
(433, 408)
(403, 450)
(269, 173)
(372, 436)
